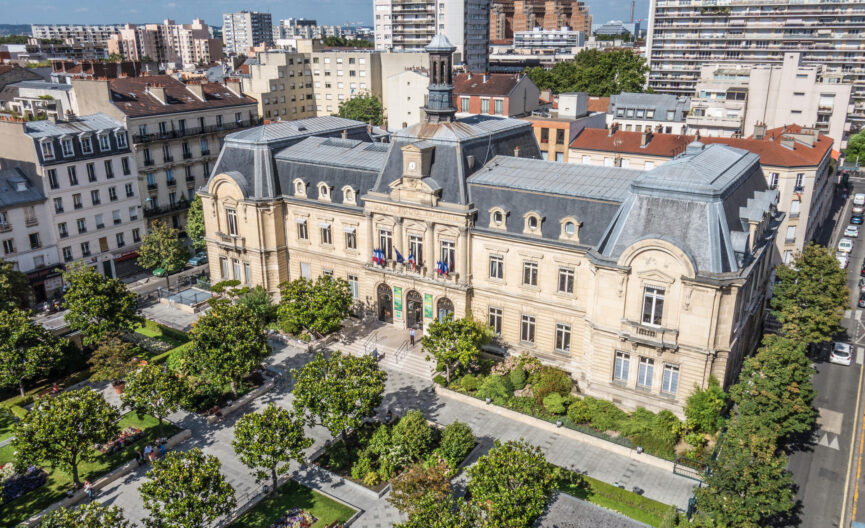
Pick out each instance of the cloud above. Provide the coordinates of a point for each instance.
(81, 10)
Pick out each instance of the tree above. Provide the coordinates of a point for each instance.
(704, 408)
(162, 248)
(430, 511)
(412, 435)
(342, 42)
(227, 344)
(748, 485)
(775, 385)
(195, 223)
(98, 305)
(153, 390)
(186, 490)
(338, 391)
(114, 57)
(63, 430)
(27, 349)
(511, 484)
(268, 441)
(455, 343)
(318, 307)
(412, 486)
(600, 73)
(88, 515)
(810, 295)
(258, 301)
(15, 291)
(113, 360)
(364, 107)
(855, 151)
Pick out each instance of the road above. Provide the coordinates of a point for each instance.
(824, 470)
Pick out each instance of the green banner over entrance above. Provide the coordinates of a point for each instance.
(427, 306)
(397, 301)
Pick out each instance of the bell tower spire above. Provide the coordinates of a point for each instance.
(440, 104)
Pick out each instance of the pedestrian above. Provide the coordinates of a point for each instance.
(148, 453)
(162, 450)
(411, 336)
(88, 488)
(139, 457)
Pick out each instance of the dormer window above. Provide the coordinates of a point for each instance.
(121, 140)
(498, 218)
(349, 196)
(570, 229)
(300, 188)
(66, 145)
(532, 224)
(47, 150)
(104, 143)
(86, 145)
(324, 192)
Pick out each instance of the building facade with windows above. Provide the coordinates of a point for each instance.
(246, 29)
(175, 129)
(182, 44)
(642, 111)
(500, 94)
(87, 172)
(641, 284)
(97, 34)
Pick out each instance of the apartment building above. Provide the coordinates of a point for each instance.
(507, 17)
(26, 241)
(500, 94)
(732, 99)
(97, 34)
(795, 160)
(406, 98)
(12, 73)
(548, 41)
(35, 98)
(590, 278)
(684, 36)
(554, 129)
(176, 131)
(643, 111)
(183, 44)
(87, 173)
(409, 25)
(246, 29)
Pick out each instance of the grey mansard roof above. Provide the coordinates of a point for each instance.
(660, 103)
(17, 190)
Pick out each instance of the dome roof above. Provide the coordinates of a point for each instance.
(440, 43)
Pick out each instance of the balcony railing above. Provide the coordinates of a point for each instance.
(187, 155)
(190, 179)
(210, 129)
(151, 212)
(152, 186)
(171, 183)
(30, 222)
(650, 335)
(149, 162)
(5, 227)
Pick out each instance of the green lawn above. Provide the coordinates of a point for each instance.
(6, 421)
(294, 495)
(32, 503)
(613, 498)
(162, 333)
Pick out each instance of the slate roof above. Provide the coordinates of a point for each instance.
(496, 84)
(130, 96)
(88, 123)
(42, 85)
(281, 131)
(11, 196)
(660, 103)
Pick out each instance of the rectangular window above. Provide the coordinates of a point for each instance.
(73, 176)
(448, 253)
(354, 286)
(670, 382)
(563, 337)
(326, 238)
(52, 179)
(133, 213)
(112, 194)
(646, 372)
(560, 137)
(773, 180)
(58, 205)
(124, 164)
(66, 147)
(166, 153)
(235, 268)
(67, 254)
(100, 222)
(76, 201)
(120, 241)
(136, 235)
(623, 364)
(115, 216)
(464, 104)
(566, 280)
(499, 106)
(495, 320)
(231, 216)
(85, 249)
(350, 238)
(219, 121)
(223, 267)
(205, 149)
(8, 246)
(653, 305)
(527, 329)
(61, 228)
(247, 272)
(385, 242)
(94, 197)
(109, 169)
(104, 143)
(91, 172)
(35, 243)
(121, 139)
(497, 267)
(305, 270)
(130, 192)
(485, 106)
(800, 182)
(530, 273)
(415, 249)
(302, 232)
(47, 150)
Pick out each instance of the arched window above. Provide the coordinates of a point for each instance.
(533, 223)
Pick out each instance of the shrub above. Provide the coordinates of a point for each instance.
(494, 389)
(340, 458)
(371, 479)
(554, 403)
(579, 412)
(456, 443)
(551, 380)
(469, 383)
(704, 407)
(605, 415)
(413, 436)
(656, 433)
(362, 467)
(386, 469)
(518, 378)
(379, 443)
(440, 380)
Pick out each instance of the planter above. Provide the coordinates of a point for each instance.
(118, 386)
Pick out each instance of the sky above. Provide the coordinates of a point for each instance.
(183, 11)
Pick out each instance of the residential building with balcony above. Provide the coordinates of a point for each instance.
(683, 36)
(246, 29)
(554, 129)
(97, 34)
(176, 132)
(795, 160)
(508, 17)
(87, 173)
(499, 94)
(732, 99)
(38, 98)
(181, 44)
(644, 111)
(26, 241)
(592, 269)
(548, 41)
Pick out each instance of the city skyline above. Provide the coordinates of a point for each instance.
(132, 11)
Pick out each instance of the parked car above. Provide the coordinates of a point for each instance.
(843, 259)
(197, 260)
(859, 199)
(159, 272)
(851, 231)
(842, 354)
(857, 219)
(861, 302)
(845, 245)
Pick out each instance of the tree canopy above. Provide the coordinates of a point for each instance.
(810, 296)
(228, 343)
(87, 515)
(153, 390)
(195, 223)
(98, 305)
(15, 291)
(186, 490)
(267, 441)
(342, 42)
(855, 150)
(455, 343)
(362, 107)
(162, 248)
(27, 349)
(112, 360)
(318, 306)
(338, 391)
(600, 73)
(63, 430)
(704, 408)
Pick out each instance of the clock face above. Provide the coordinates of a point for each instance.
(411, 165)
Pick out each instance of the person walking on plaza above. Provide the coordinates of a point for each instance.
(411, 336)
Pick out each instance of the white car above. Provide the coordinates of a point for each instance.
(845, 245)
(843, 259)
(859, 199)
(851, 231)
(842, 354)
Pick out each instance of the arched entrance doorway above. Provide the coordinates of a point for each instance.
(414, 310)
(384, 296)
(444, 308)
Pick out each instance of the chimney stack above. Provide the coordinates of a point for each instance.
(613, 129)
(645, 137)
(760, 130)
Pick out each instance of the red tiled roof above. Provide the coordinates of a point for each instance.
(598, 104)
(770, 149)
(499, 84)
(131, 96)
(244, 69)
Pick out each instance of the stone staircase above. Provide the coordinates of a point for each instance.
(394, 355)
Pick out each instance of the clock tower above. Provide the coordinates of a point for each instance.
(440, 104)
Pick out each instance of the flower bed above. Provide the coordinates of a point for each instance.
(128, 436)
(291, 495)
(295, 518)
(17, 484)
